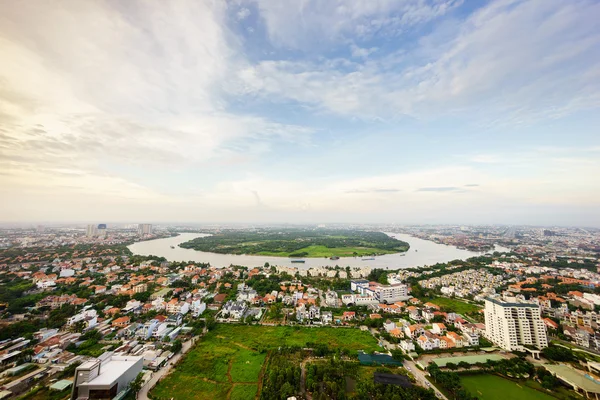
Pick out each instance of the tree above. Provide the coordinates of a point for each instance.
(452, 366)
(176, 346)
(136, 385)
(464, 365)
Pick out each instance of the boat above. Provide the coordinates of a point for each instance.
(334, 258)
(298, 261)
(368, 259)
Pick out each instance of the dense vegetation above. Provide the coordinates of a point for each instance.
(299, 243)
(282, 379)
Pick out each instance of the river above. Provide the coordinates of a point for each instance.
(421, 253)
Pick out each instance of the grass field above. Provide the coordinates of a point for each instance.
(492, 387)
(455, 305)
(227, 362)
(316, 251)
(244, 392)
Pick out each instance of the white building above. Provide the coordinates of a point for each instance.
(383, 293)
(512, 324)
(388, 294)
(105, 377)
(92, 230)
(89, 315)
(144, 229)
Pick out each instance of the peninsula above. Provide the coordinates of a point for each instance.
(299, 243)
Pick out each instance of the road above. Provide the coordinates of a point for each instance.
(156, 376)
(421, 379)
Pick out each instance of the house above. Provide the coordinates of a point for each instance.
(456, 338)
(220, 298)
(397, 333)
(424, 343)
(389, 325)
(413, 331)
(348, 315)
(550, 324)
(407, 345)
(121, 322)
(439, 328)
(234, 309)
(446, 343)
(413, 312)
(326, 317)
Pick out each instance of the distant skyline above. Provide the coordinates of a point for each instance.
(316, 111)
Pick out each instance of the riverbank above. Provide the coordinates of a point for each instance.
(421, 253)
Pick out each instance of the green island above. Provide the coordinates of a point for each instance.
(299, 243)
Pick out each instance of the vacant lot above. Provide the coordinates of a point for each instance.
(492, 387)
(270, 337)
(227, 363)
(455, 305)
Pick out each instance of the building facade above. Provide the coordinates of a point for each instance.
(514, 324)
(144, 229)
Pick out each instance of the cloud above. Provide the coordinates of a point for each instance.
(472, 185)
(378, 190)
(242, 14)
(106, 90)
(511, 62)
(359, 52)
(309, 23)
(440, 189)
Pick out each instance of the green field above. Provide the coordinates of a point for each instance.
(323, 251)
(493, 387)
(227, 362)
(299, 243)
(455, 305)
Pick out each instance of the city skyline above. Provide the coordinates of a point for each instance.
(408, 112)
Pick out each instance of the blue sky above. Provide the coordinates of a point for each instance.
(400, 111)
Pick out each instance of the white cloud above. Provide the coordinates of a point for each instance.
(93, 88)
(361, 52)
(242, 14)
(516, 61)
(308, 23)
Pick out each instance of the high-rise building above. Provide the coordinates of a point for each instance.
(101, 230)
(144, 229)
(92, 230)
(513, 324)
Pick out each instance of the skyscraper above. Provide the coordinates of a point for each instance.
(92, 230)
(102, 230)
(144, 229)
(513, 324)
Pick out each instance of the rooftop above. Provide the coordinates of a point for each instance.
(112, 368)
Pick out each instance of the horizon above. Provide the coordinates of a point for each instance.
(417, 111)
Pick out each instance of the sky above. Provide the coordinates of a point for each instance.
(301, 111)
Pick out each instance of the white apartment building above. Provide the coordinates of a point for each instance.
(383, 293)
(513, 324)
(391, 293)
(144, 229)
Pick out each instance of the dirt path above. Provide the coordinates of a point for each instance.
(303, 391)
(261, 375)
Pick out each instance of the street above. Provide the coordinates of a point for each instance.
(421, 379)
(156, 376)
